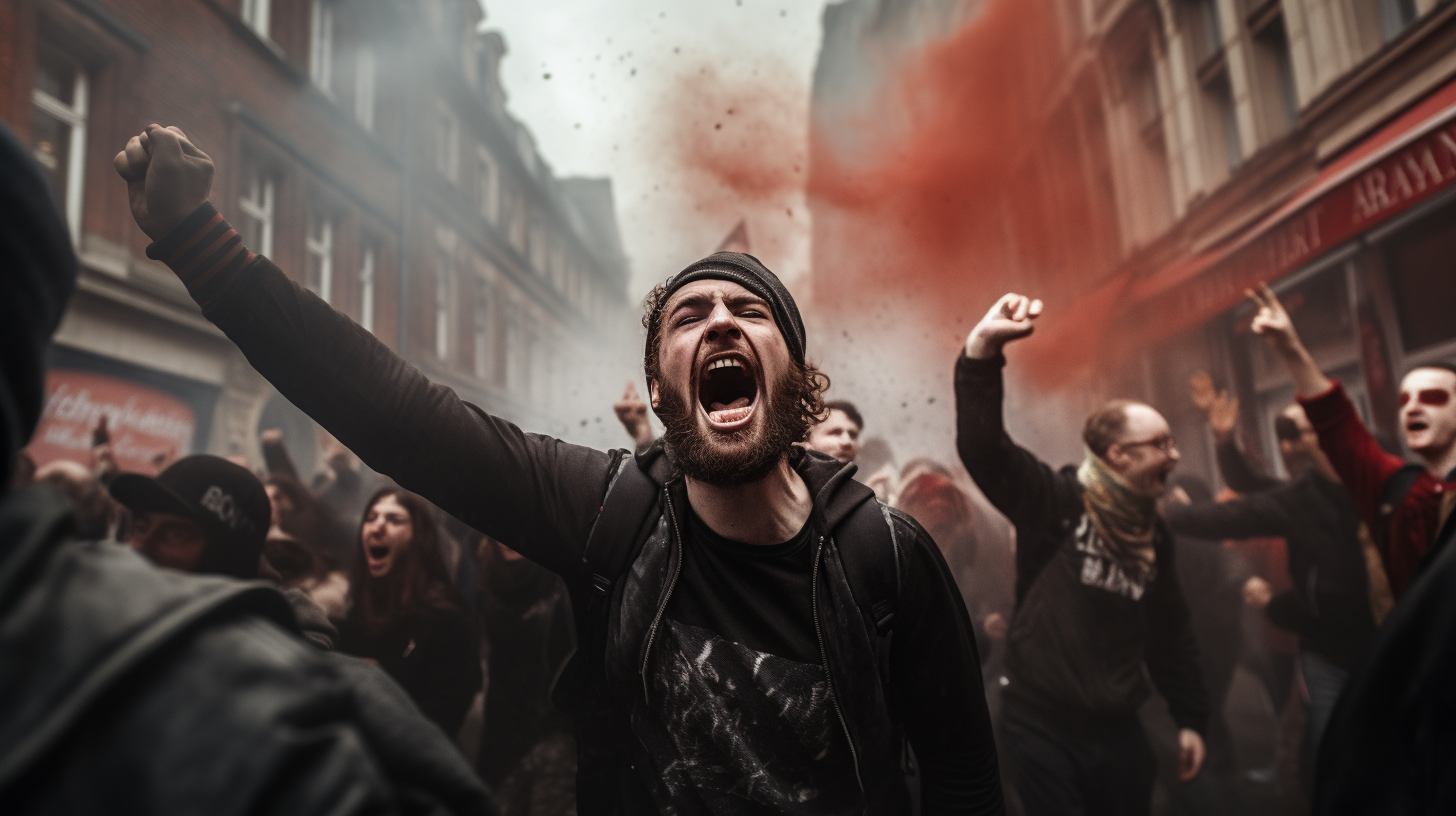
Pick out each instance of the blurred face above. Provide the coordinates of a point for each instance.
(168, 540)
(387, 530)
(836, 436)
(1146, 455)
(1428, 411)
(280, 503)
(720, 390)
(1307, 446)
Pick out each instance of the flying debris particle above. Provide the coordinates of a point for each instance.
(718, 126)
(578, 126)
(904, 405)
(546, 75)
(930, 401)
(583, 423)
(634, 72)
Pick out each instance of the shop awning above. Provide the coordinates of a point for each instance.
(1407, 161)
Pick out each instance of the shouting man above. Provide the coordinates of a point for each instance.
(1097, 597)
(736, 658)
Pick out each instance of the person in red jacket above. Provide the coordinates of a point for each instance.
(1388, 746)
(1408, 530)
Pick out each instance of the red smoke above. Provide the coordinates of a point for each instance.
(966, 176)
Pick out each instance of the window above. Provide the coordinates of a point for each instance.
(364, 87)
(366, 288)
(1419, 258)
(1395, 15)
(1221, 97)
(319, 251)
(58, 135)
(482, 333)
(1205, 29)
(485, 185)
(321, 48)
(1274, 74)
(255, 14)
(256, 205)
(442, 307)
(447, 145)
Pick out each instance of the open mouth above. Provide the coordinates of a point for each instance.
(1413, 427)
(377, 552)
(727, 391)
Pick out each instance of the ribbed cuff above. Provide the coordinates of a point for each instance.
(205, 252)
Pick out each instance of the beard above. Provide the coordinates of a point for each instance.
(744, 455)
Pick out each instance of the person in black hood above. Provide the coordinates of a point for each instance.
(129, 687)
(1098, 604)
(738, 670)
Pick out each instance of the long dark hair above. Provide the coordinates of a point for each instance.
(418, 581)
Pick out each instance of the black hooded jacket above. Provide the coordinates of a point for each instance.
(540, 496)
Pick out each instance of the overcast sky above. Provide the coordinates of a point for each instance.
(607, 89)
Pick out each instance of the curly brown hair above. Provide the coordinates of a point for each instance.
(805, 379)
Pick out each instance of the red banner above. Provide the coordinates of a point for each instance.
(1355, 200)
(145, 424)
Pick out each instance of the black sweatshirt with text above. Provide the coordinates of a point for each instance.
(1083, 631)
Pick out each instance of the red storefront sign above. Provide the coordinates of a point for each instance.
(1406, 163)
(144, 423)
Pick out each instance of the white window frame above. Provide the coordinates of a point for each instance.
(73, 115)
(256, 13)
(443, 274)
(366, 288)
(447, 145)
(364, 87)
(482, 333)
(257, 203)
(321, 45)
(487, 183)
(318, 245)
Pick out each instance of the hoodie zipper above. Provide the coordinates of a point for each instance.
(824, 659)
(667, 594)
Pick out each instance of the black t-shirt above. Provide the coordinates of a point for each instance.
(759, 596)
(745, 720)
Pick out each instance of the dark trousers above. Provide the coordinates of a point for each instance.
(1060, 769)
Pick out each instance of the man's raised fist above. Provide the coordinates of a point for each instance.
(167, 178)
(1010, 319)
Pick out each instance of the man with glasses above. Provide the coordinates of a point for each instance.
(1097, 596)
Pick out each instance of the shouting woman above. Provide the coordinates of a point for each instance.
(404, 613)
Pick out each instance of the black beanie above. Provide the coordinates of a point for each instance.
(750, 273)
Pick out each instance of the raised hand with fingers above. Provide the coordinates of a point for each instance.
(1271, 322)
(632, 413)
(1221, 407)
(1012, 318)
(167, 178)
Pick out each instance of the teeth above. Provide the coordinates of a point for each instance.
(724, 363)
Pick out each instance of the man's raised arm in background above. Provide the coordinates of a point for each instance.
(538, 495)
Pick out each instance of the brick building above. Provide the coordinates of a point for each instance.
(361, 144)
(1195, 148)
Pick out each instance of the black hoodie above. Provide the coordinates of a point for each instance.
(540, 496)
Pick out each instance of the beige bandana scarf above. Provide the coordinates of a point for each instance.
(1126, 521)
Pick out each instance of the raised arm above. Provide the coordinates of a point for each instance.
(536, 494)
(1222, 410)
(1022, 487)
(1363, 466)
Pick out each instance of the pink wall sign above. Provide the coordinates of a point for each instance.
(144, 423)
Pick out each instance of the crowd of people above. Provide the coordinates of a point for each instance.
(741, 616)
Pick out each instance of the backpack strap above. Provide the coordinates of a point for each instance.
(1392, 495)
(872, 565)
